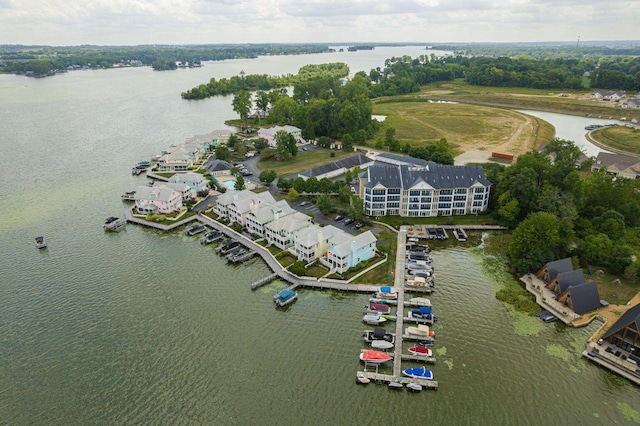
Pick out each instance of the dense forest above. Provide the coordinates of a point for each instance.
(44, 60)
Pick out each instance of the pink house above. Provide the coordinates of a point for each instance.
(269, 133)
(157, 200)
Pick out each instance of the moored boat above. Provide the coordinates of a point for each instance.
(380, 308)
(211, 237)
(41, 243)
(386, 293)
(422, 314)
(373, 319)
(195, 229)
(418, 373)
(381, 344)
(374, 357)
(420, 351)
(285, 297)
(378, 334)
(420, 301)
(420, 332)
(414, 387)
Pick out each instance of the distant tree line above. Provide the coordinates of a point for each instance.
(253, 82)
(44, 59)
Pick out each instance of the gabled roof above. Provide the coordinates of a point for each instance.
(309, 237)
(559, 266)
(233, 196)
(620, 161)
(584, 297)
(387, 176)
(387, 157)
(570, 278)
(188, 177)
(630, 317)
(289, 223)
(213, 165)
(360, 241)
(347, 163)
(267, 213)
(147, 193)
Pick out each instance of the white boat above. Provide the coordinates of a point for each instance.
(382, 345)
(373, 319)
(421, 331)
(414, 387)
(420, 301)
(386, 293)
(417, 281)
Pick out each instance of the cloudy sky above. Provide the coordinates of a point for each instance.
(128, 22)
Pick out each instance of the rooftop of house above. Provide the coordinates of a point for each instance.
(361, 240)
(289, 223)
(387, 157)
(267, 213)
(148, 193)
(214, 165)
(559, 266)
(584, 297)
(313, 234)
(346, 163)
(437, 176)
(620, 161)
(632, 316)
(570, 278)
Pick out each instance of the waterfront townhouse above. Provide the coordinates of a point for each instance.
(313, 242)
(211, 140)
(196, 181)
(185, 190)
(236, 205)
(350, 252)
(175, 160)
(217, 167)
(259, 217)
(429, 190)
(157, 200)
(626, 166)
(281, 232)
(269, 133)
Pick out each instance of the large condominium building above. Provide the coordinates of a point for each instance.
(428, 189)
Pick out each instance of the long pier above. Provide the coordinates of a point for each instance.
(263, 281)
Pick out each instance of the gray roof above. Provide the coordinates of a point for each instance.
(347, 163)
(570, 278)
(631, 316)
(361, 240)
(439, 176)
(606, 159)
(213, 165)
(402, 158)
(584, 297)
(559, 266)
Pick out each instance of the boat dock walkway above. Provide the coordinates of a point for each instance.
(377, 377)
(263, 281)
(399, 284)
(427, 359)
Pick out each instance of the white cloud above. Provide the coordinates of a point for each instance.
(254, 21)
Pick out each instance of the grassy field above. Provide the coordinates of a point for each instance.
(465, 127)
(619, 137)
(562, 101)
(303, 161)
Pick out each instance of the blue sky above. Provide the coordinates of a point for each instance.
(120, 22)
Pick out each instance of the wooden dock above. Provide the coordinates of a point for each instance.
(427, 359)
(386, 378)
(263, 281)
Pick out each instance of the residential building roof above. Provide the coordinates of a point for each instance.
(188, 177)
(403, 160)
(559, 266)
(620, 161)
(214, 135)
(584, 297)
(361, 240)
(289, 223)
(310, 236)
(232, 196)
(270, 212)
(155, 193)
(632, 316)
(437, 176)
(275, 129)
(347, 163)
(213, 165)
(570, 278)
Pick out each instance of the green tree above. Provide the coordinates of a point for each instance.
(233, 140)
(312, 185)
(347, 143)
(239, 185)
(508, 210)
(536, 239)
(356, 210)
(283, 111)
(285, 145)
(347, 176)
(344, 194)
(293, 194)
(284, 184)
(242, 105)
(389, 136)
(262, 101)
(222, 153)
(268, 176)
(611, 223)
(325, 185)
(596, 249)
(260, 144)
(325, 204)
(620, 257)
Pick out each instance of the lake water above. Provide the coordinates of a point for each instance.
(145, 327)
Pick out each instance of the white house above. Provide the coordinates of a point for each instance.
(196, 181)
(236, 205)
(350, 252)
(259, 217)
(185, 190)
(313, 242)
(157, 200)
(281, 232)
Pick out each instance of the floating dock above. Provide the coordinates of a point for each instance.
(116, 224)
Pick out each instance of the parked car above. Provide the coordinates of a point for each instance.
(358, 225)
(338, 218)
(304, 203)
(348, 221)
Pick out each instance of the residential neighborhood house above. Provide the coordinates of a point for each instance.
(626, 166)
(269, 133)
(162, 200)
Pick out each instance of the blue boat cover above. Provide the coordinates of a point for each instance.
(286, 294)
(385, 289)
(424, 310)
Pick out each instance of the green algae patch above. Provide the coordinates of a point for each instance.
(596, 415)
(628, 412)
(526, 325)
(449, 363)
(442, 351)
(559, 352)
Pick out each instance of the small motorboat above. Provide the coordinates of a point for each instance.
(386, 293)
(373, 319)
(285, 297)
(380, 308)
(41, 243)
(395, 385)
(381, 344)
(420, 301)
(422, 314)
(418, 281)
(389, 317)
(361, 379)
(414, 387)
(384, 301)
(378, 333)
(418, 373)
(374, 357)
(211, 237)
(195, 229)
(421, 331)
(420, 351)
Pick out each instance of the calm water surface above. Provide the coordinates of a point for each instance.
(143, 327)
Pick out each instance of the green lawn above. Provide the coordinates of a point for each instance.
(302, 161)
(619, 137)
(382, 275)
